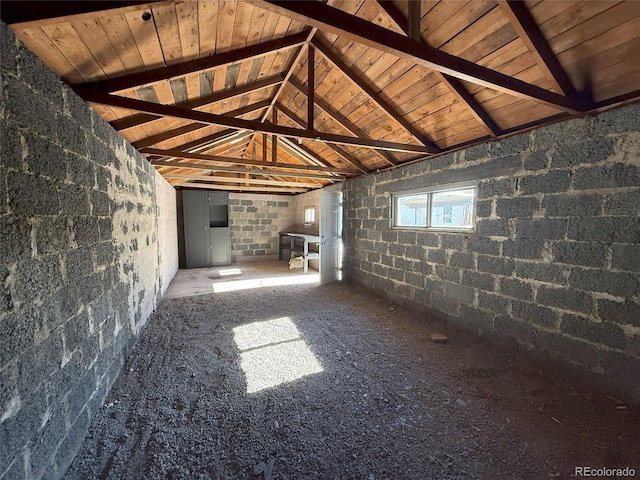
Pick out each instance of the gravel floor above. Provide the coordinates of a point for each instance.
(309, 382)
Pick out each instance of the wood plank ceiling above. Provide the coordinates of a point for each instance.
(286, 97)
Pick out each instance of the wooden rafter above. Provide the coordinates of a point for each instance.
(142, 118)
(192, 127)
(453, 84)
(221, 120)
(223, 179)
(239, 161)
(146, 77)
(346, 156)
(375, 97)
(335, 21)
(341, 120)
(311, 85)
(251, 171)
(529, 32)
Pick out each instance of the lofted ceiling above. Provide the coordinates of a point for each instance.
(286, 96)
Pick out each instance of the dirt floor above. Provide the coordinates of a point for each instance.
(305, 381)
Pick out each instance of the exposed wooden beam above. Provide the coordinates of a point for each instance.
(530, 33)
(142, 118)
(213, 119)
(192, 127)
(301, 152)
(253, 171)
(453, 84)
(346, 156)
(341, 120)
(413, 30)
(311, 85)
(292, 65)
(333, 20)
(239, 161)
(212, 140)
(250, 181)
(243, 188)
(45, 13)
(274, 139)
(375, 97)
(138, 79)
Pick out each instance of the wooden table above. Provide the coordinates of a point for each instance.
(306, 254)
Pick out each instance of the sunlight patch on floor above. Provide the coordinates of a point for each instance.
(273, 353)
(235, 285)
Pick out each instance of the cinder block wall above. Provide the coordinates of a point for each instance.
(555, 258)
(167, 230)
(79, 263)
(255, 221)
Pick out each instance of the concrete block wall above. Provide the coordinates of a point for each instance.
(255, 221)
(79, 263)
(554, 261)
(167, 231)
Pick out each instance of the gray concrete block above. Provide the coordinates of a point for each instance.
(427, 239)
(523, 248)
(43, 199)
(74, 199)
(624, 203)
(496, 265)
(450, 274)
(534, 313)
(492, 187)
(15, 233)
(79, 264)
(27, 108)
(493, 228)
(10, 146)
(101, 203)
(552, 182)
(580, 253)
(535, 161)
(516, 144)
(542, 272)
(44, 157)
(605, 333)
(482, 281)
(460, 293)
(616, 283)
(436, 255)
(517, 207)
(5, 292)
(563, 205)
(38, 278)
(461, 260)
(604, 229)
(483, 208)
(626, 257)
(452, 241)
(492, 302)
(626, 312)
(607, 176)
(80, 170)
(565, 299)
(86, 230)
(52, 234)
(591, 151)
(478, 244)
(544, 228)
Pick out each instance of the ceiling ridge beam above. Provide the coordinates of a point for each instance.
(212, 186)
(529, 32)
(341, 120)
(375, 97)
(453, 84)
(253, 181)
(138, 79)
(294, 62)
(192, 127)
(240, 161)
(142, 118)
(240, 124)
(333, 20)
(256, 171)
(345, 155)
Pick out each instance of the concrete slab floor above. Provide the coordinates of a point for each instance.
(201, 281)
(328, 382)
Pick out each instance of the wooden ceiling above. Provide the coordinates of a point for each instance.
(286, 96)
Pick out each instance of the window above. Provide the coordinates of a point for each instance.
(449, 207)
(309, 216)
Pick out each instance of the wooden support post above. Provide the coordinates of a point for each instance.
(274, 140)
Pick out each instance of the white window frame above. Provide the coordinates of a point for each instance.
(429, 192)
(309, 216)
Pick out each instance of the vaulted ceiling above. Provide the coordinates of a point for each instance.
(286, 96)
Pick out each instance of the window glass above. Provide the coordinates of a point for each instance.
(412, 211)
(443, 208)
(453, 208)
(309, 215)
